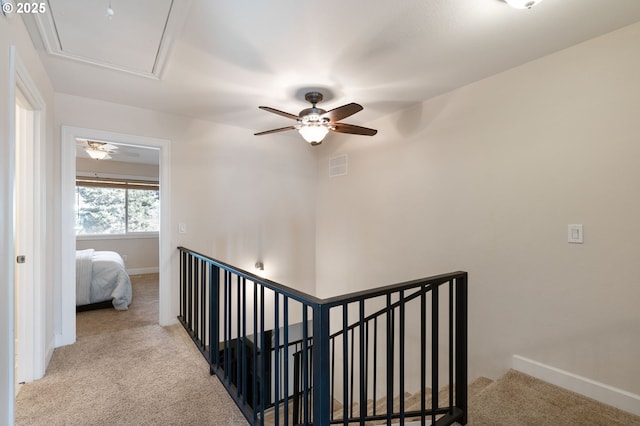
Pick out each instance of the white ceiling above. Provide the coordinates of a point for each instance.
(123, 153)
(224, 58)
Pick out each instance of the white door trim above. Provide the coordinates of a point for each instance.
(32, 310)
(67, 292)
(7, 296)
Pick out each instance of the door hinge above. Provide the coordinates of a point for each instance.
(21, 259)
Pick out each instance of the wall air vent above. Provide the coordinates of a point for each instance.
(338, 166)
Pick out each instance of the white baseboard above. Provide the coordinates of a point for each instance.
(140, 271)
(606, 394)
(64, 340)
(49, 354)
(173, 321)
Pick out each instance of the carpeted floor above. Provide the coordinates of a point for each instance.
(517, 399)
(143, 310)
(119, 374)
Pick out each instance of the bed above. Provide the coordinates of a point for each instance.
(101, 277)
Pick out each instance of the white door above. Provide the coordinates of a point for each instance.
(29, 230)
(23, 231)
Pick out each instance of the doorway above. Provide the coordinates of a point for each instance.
(118, 211)
(70, 137)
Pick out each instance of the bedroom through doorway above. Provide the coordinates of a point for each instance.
(125, 148)
(117, 231)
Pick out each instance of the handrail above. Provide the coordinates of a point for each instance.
(233, 315)
(272, 285)
(381, 291)
(330, 301)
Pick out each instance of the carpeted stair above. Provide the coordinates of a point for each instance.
(515, 399)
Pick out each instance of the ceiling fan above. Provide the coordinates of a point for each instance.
(100, 150)
(314, 123)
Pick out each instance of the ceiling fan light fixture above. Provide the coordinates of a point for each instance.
(97, 154)
(314, 123)
(313, 133)
(99, 150)
(522, 4)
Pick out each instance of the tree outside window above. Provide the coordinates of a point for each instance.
(115, 208)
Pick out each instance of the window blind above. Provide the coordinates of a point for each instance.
(117, 183)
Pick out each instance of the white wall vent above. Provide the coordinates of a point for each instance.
(338, 166)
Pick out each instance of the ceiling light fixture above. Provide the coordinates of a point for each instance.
(110, 11)
(312, 125)
(97, 154)
(100, 150)
(313, 128)
(522, 4)
(313, 134)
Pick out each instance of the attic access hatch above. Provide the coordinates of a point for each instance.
(134, 38)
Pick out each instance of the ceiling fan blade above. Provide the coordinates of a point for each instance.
(342, 112)
(355, 130)
(101, 146)
(277, 111)
(282, 129)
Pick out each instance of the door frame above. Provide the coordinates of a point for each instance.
(7, 251)
(67, 291)
(30, 234)
(33, 351)
(19, 79)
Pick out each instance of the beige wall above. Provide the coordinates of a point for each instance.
(486, 179)
(13, 33)
(242, 198)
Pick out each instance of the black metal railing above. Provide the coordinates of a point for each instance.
(290, 358)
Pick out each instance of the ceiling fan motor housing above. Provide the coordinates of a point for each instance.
(312, 115)
(313, 97)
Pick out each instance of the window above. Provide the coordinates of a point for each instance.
(116, 206)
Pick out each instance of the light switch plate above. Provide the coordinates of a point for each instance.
(575, 234)
(182, 228)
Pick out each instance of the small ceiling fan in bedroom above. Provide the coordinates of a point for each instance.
(314, 123)
(99, 150)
